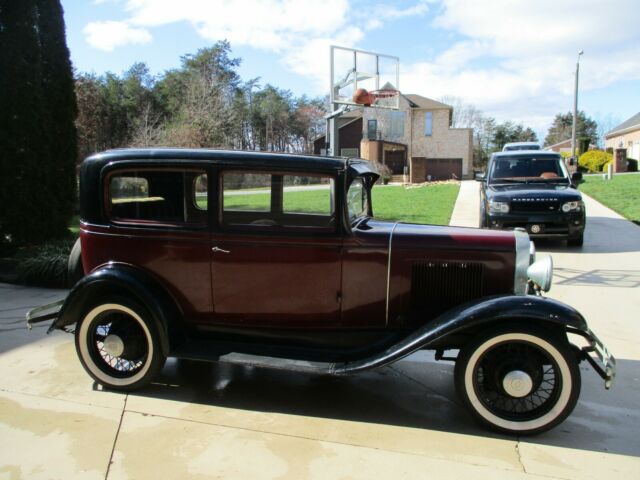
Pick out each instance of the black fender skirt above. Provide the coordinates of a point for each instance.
(119, 278)
(512, 308)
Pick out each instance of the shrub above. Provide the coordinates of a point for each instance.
(632, 165)
(45, 265)
(595, 160)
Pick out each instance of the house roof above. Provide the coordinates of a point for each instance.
(418, 101)
(626, 125)
(559, 144)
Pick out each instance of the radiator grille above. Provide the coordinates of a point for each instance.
(535, 207)
(438, 286)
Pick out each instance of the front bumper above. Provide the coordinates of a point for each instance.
(560, 225)
(603, 362)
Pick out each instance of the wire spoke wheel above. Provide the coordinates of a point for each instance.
(493, 369)
(518, 380)
(117, 346)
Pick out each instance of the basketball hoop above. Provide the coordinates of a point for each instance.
(380, 98)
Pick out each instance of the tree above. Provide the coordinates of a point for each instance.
(509, 132)
(23, 206)
(560, 129)
(59, 104)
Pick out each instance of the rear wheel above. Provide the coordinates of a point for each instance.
(518, 380)
(118, 344)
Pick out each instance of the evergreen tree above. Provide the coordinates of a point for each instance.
(23, 205)
(561, 128)
(59, 104)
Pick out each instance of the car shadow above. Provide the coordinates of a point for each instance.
(600, 277)
(415, 393)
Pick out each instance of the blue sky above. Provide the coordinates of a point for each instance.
(513, 60)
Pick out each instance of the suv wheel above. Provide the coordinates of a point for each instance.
(118, 345)
(576, 241)
(518, 381)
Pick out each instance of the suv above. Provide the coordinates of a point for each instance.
(277, 261)
(516, 146)
(532, 190)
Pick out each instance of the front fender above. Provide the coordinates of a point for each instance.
(130, 281)
(512, 308)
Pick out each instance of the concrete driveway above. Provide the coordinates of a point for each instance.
(212, 421)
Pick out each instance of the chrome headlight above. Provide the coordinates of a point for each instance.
(572, 206)
(541, 273)
(498, 207)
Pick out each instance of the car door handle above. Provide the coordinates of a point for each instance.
(219, 250)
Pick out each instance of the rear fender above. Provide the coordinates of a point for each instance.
(479, 313)
(118, 278)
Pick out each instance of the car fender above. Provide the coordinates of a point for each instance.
(131, 281)
(482, 312)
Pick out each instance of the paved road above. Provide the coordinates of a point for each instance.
(404, 421)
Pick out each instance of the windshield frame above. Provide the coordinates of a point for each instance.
(565, 178)
(365, 198)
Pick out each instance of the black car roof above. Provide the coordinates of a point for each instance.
(227, 157)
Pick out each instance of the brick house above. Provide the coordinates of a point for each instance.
(416, 140)
(627, 136)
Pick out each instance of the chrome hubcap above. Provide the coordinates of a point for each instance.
(517, 384)
(113, 345)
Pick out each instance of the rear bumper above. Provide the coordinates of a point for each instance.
(598, 356)
(43, 313)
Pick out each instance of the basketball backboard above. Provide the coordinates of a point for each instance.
(352, 69)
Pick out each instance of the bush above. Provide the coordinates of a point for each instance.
(45, 265)
(632, 165)
(595, 160)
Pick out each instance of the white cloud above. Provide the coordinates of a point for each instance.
(515, 60)
(109, 35)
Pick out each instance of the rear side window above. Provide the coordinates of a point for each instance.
(160, 197)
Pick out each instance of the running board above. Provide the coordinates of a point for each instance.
(274, 363)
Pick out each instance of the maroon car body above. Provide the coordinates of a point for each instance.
(277, 261)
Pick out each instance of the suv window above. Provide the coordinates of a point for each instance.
(518, 167)
(277, 201)
(166, 197)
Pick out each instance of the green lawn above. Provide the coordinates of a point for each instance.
(621, 194)
(432, 204)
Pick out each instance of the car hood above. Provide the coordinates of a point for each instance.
(532, 192)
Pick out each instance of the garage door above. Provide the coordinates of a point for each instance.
(443, 168)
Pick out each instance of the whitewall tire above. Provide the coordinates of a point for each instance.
(518, 380)
(118, 345)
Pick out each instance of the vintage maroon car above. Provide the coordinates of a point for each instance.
(277, 261)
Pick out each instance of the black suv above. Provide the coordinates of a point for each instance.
(532, 190)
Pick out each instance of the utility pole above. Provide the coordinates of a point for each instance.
(575, 111)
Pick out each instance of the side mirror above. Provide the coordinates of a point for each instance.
(576, 177)
(479, 176)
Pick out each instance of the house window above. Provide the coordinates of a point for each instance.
(428, 124)
(372, 128)
(349, 152)
(397, 124)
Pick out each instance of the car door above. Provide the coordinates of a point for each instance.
(276, 251)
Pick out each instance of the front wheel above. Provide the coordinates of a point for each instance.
(518, 381)
(118, 344)
(576, 241)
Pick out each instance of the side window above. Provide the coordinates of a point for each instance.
(158, 197)
(253, 200)
(372, 129)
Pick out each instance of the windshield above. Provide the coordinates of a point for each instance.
(510, 148)
(519, 168)
(357, 203)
